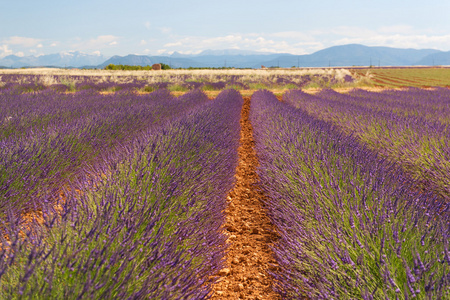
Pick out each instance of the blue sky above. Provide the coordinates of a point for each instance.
(31, 27)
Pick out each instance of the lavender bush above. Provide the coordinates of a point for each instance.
(352, 224)
(46, 138)
(108, 81)
(146, 227)
(409, 127)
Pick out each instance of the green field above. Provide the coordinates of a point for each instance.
(406, 77)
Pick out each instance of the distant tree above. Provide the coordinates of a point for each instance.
(110, 67)
(165, 67)
(128, 67)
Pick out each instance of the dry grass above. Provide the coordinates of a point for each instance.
(51, 76)
(175, 72)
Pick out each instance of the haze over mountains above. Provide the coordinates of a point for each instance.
(346, 55)
(62, 60)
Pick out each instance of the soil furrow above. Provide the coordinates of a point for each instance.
(249, 230)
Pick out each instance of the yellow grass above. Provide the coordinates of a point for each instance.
(51, 76)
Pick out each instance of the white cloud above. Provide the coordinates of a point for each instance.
(190, 52)
(5, 51)
(277, 43)
(22, 41)
(297, 42)
(67, 53)
(417, 41)
(102, 41)
(349, 31)
(398, 36)
(165, 30)
(293, 35)
(35, 52)
(176, 44)
(401, 29)
(290, 41)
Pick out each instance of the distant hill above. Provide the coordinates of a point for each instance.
(346, 55)
(235, 61)
(354, 55)
(215, 60)
(436, 59)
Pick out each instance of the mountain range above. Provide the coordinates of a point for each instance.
(345, 55)
(63, 59)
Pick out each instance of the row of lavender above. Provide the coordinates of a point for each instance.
(66, 83)
(409, 126)
(351, 225)
(46, 138)
(146, 226)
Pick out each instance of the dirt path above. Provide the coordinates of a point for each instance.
(248, 228)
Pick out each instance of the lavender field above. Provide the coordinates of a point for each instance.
(352, 223)
(410, 127)
(117, 189)
(144, 184)
(175, 80)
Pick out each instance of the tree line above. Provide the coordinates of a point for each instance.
(133, 68)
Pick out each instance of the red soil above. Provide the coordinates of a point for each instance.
(249, 230)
